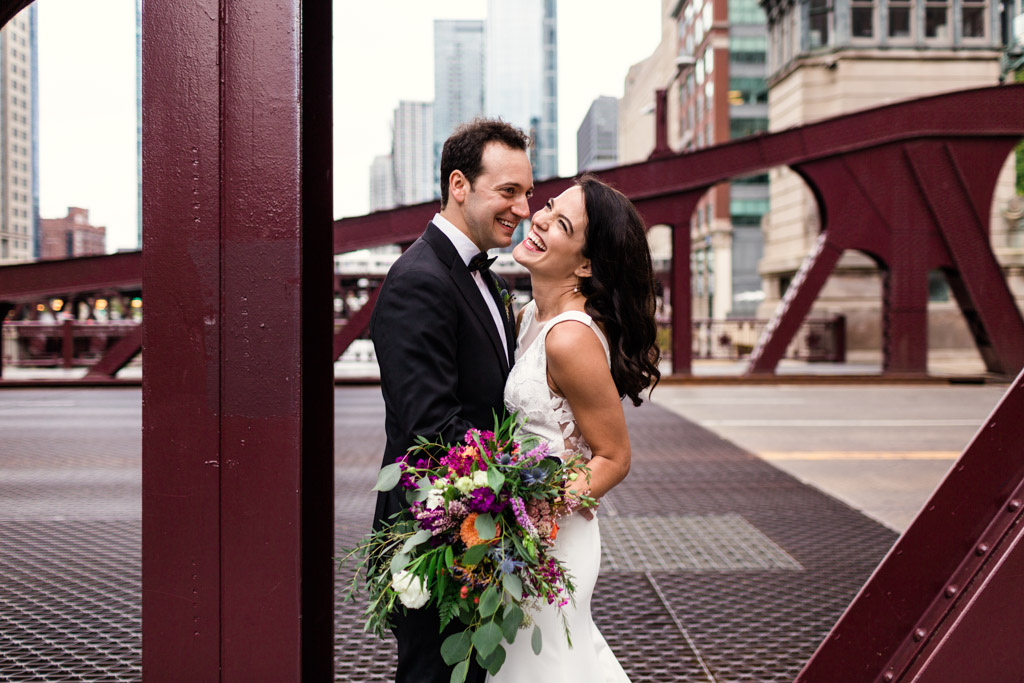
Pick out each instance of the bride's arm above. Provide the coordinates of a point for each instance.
(578, 370)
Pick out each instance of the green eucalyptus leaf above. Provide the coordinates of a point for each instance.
(399, 562)
(460, 671)
(475, 554)
(514, 585)
(485, 527)
(493, 661)
(495, 479)
(414, 540)
(487, 638)
(512, 621)
(388, 477)
(456, 647)
(536, 640)
(489, 601)
(449, 556)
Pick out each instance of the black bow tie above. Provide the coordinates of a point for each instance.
(481, 262)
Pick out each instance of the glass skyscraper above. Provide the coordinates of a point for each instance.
(458, 80)
(521, 74)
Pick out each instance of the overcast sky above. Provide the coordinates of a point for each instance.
(383, 53)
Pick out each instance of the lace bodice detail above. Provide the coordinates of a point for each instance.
(544, 413)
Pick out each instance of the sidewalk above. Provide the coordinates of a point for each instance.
(715, 561)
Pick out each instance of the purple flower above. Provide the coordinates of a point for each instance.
(483, 500)
(519, 508)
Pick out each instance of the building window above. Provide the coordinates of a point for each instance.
(972, 12)
(862, 19)
(748, 49)
(820, 20)
(742, 127)
(745, 90)
(899, 19)
(936, 19)
(745, 12)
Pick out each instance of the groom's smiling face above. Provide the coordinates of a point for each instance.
(499, 197)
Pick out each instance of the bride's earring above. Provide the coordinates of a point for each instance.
(576, 289)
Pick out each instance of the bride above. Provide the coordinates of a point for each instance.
(586, 340)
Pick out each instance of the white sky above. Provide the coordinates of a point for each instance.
(383, 53)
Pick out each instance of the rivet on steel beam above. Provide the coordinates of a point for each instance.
(888, 676)
(1013, 506)
(951, 591)
(981, 549)
(919, 634)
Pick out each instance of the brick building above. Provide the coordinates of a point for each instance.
(72, 236)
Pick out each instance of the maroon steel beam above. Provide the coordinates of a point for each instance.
(11, 8)
(957, 212)
(117, 356)
(237, 383)
(67, 343)
(355, 326)
(675, 212)
(796, 304)
(5, 308)
(33, 281)
(661, 146)
(944, 606)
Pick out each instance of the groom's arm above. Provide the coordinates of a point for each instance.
(414, 331)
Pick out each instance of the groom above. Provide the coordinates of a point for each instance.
(443, 335)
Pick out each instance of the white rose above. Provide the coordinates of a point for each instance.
(411, 589)
(480, 478)
(435, 499)
(465, 485)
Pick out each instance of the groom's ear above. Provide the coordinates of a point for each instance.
(458, 186)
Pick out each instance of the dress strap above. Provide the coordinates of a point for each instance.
(580, 317)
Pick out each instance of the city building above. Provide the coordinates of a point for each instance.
(597, 138)
(723, 95)
(524, 90)
(458, 80)
(830, 57)
(19, 155)
(138, 116)
(71, 236)
(711, 62)
(413, 152)
(636, 108)
(382, 183)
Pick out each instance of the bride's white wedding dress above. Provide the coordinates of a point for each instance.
(578, 544)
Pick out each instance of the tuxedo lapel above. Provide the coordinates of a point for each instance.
(467, 286)
(499, 291)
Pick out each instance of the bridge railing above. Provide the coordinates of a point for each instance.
(67, 343)
(818, 339)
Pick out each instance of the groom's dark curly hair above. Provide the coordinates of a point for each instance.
(620, 292)
(464, 149)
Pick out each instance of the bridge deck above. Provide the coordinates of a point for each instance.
(714, 560)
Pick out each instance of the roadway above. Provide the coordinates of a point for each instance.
(750, 518)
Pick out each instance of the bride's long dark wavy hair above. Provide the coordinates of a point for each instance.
(620, 292)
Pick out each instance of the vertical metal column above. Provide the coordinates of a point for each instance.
(238, 387)
(5, 308)
(676, 211)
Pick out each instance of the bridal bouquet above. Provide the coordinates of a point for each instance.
(474, 542)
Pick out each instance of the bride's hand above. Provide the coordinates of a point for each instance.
(581, 488)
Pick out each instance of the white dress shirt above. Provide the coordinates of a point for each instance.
(468, 250)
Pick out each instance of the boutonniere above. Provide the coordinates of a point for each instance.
(507, 298)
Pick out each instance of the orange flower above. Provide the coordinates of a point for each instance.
(467, 532)
(554, 529)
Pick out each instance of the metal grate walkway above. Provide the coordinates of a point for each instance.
(716, 566)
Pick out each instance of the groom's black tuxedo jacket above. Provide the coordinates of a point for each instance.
(442, 364)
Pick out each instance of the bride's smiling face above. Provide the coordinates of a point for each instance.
(554, 244)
